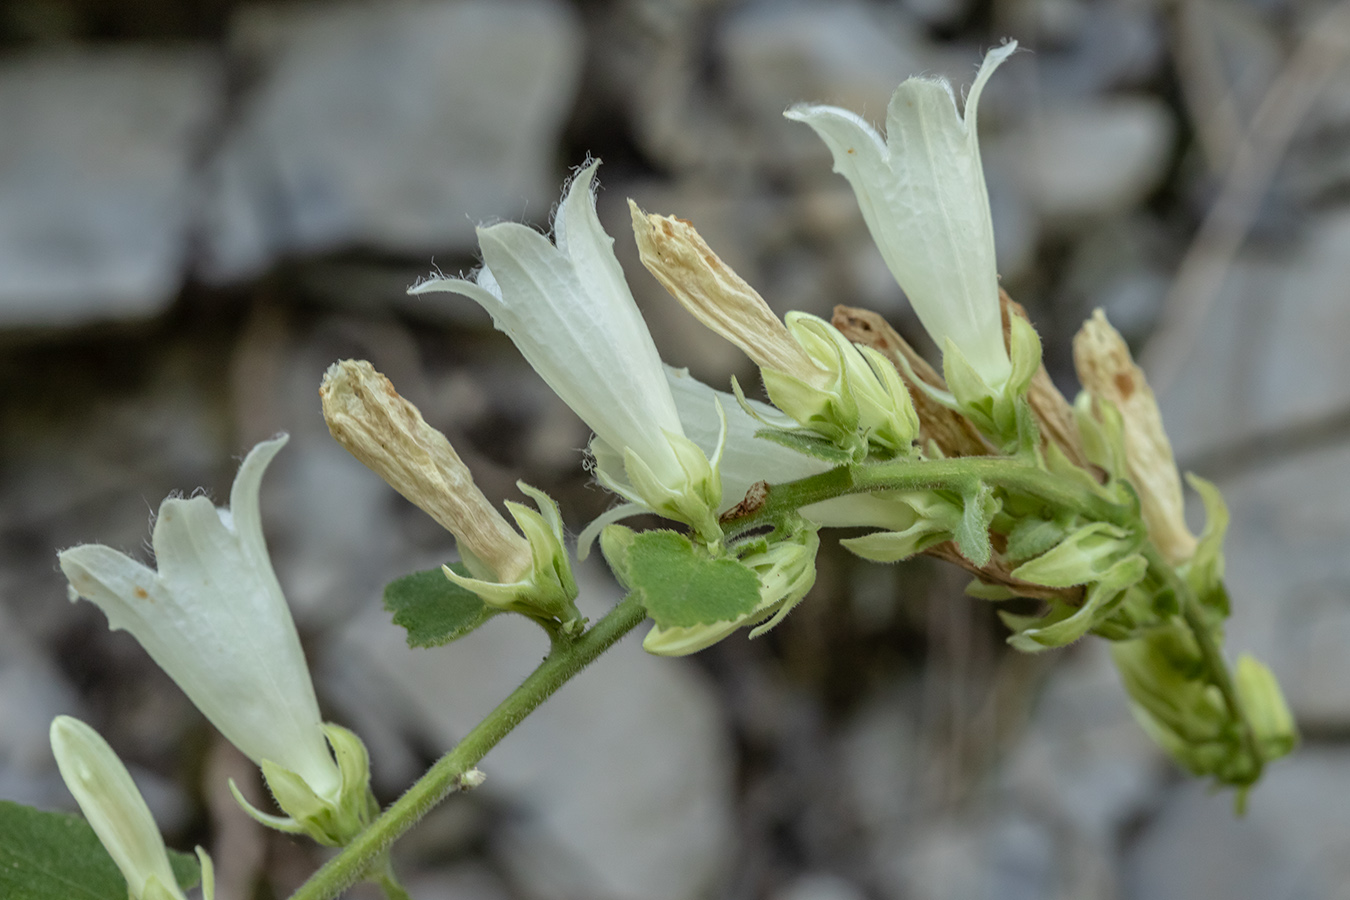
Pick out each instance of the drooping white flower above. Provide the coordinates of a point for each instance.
(116, 811)
(923, 196)
(214, 618)
(570, 312)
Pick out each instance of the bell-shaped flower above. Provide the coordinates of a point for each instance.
(214, 618)
(530, 575)
(566, 306)
(116, 811)
(923, 196)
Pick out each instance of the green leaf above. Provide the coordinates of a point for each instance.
(434, 609)
(683, 587)
(57, 856)
(807, 444)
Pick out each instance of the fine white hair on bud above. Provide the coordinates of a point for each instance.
(923, 196)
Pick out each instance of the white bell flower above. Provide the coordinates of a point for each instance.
(569, 311)
(214, 618)
(923, 196)
(116, 811)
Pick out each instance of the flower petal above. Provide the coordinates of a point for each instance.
(214, 618)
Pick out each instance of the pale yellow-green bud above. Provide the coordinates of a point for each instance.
(679, 258)
(1108, 373)
(117, 812)
(388, 434)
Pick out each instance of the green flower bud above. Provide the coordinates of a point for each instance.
(1081, 558)
(1263, 702)
(934, 518)
(860, 402)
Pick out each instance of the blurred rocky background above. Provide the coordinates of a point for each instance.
(203, 203)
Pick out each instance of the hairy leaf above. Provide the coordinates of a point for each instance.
(57, 856)
(683, 587)
(434, 609)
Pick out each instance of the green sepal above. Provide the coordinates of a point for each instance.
(1033, 536)
(433, 609)
(615, 542)
(978, 508)
(1204, 570)
(57, 856)
(1082, 557)
(1066, 624)
(995, 593)
(331, 821)
(682, 586)
(808, 444)
(937, 520)
(1101, 429)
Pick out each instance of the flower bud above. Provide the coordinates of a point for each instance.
(117, 812)
(675, 253)
(1108, 373)
(388, 434)
(863, 403)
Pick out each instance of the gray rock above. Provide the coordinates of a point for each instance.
(1269, 354)
(390, 126)
(1291, 843)
(996, 854)
(820, 886)
(1082, 760)
(1289, 578)
(843, 53)
(1079, 162)
(96, 188)
(622, 781)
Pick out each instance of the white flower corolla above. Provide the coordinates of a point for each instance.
(746, 459)
(568, 309)
(116, 811)
(214, 618)
(923, 196)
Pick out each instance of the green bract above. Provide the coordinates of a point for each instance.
(547, 590)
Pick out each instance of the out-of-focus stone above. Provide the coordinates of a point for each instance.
(1082, 758)
(32, 693)
(1080, 162)
(390, 126)
(1291, 842)
(1289, 578)
(997, 853)
(621, 782)
(843, 53)
(96, 189)
(1270, 353)
(820, 886)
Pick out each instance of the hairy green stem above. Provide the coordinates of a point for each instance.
(446, 776)
(918, 475)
